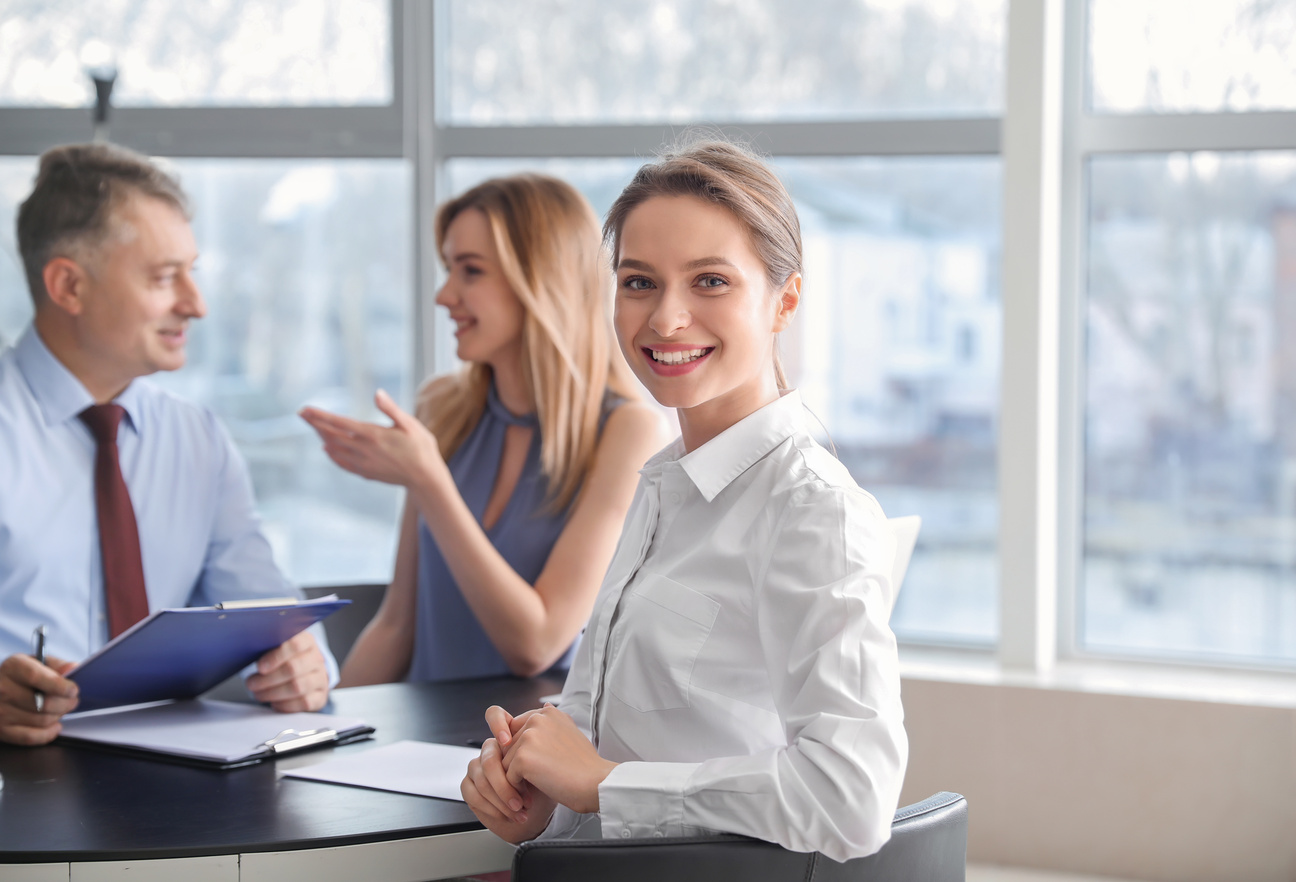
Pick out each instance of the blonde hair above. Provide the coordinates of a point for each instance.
(550, 252)
(734, 177)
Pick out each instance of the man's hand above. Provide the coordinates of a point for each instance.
(292, 677)
(21, 677)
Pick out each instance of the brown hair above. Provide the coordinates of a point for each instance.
(551, 254)
(70, 206)
(734, 177)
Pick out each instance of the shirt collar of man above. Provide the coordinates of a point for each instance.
(715, 465)
(60, 394)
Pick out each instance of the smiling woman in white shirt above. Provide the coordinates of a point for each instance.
(738, 673)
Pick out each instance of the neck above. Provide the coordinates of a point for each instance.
(701, 423)
(60, 338)
(511, 386)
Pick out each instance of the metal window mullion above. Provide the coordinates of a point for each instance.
(917, 137)
(1028, 424)
(235, 132)
(1173, 132)
(1071, 334)
(421, 145)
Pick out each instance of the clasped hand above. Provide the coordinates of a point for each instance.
(536, 761)
(403, 453)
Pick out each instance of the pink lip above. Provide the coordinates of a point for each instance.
(175, 337)
(674, 370)
(462, 324)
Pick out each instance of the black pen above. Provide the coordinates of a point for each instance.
(38, 638)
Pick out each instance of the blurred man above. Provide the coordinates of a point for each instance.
(116, 498)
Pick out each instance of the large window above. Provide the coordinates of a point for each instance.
(318, 138)
(1188, 533)
(629, 61)
(896, 346)
(305, 262)
(171, 53)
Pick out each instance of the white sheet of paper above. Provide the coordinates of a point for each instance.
(223, 731)
(415, 767)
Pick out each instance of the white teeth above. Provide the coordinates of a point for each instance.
(680, 357)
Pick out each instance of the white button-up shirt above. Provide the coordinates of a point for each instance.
(738, 663)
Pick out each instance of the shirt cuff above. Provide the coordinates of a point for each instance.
(644, 800)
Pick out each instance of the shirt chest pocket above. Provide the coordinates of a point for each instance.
(663, 627)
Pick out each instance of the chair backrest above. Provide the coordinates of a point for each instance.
(928, 844)
(906, 536)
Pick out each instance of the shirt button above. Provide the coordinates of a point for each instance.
(625, 834)
(675, 498)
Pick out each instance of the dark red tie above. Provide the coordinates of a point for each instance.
(123, 570)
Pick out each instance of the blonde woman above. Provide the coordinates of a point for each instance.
(518, 469)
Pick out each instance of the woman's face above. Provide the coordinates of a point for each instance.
(488, 316)
(695, 314)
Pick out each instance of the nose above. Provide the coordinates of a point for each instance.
(445, 296)
(190, 303)
(671, 314)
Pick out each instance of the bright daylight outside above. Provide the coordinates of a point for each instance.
(1190, 428)
(1188, 277)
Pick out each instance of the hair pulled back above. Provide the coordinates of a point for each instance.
(732, 176)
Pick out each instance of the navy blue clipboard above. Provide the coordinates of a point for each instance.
(181, 653)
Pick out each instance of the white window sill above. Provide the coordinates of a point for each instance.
(1106, 677)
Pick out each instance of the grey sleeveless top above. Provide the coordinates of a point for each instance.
(449, 642)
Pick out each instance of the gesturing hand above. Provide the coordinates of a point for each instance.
(403, 453)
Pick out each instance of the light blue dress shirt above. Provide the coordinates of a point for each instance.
(200, 536)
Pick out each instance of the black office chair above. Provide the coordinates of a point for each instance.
(928, 844)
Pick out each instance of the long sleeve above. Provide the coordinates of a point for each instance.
(821, 614)
(239, 562)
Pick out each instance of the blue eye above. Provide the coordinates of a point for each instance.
(711, 282)
(637, 283)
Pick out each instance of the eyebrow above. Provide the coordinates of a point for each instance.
(467, 255)
(631, 263)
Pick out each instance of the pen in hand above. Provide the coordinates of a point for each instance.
(38, 639)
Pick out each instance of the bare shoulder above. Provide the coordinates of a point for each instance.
(438, 385)
(432, 392)
(634, 426)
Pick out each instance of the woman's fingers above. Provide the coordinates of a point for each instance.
(323, 420)
(500, 722)
(482, 807)
(499, 783)
(489, 778)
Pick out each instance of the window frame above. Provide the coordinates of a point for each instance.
(1044, 137)
(1087, 134)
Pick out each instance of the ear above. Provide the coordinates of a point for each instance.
(65, 284)
(788, 301)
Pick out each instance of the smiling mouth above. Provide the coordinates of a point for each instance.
(681, 356)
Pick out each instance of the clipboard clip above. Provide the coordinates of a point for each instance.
(292, 739)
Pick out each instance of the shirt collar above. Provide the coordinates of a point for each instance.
(714, 465)
(58, 392)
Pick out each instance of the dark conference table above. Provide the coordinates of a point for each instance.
(86, 814)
